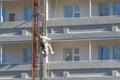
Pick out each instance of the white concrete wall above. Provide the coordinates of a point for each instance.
(56, 9)
(84, 50)
(59, 7)
(17, 7)
(15, 52)
(109, 43)
(59, 46)
(95, 6)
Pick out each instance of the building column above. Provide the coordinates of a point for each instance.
(45, 22)
(1, 53)
(47, 10)
(1, 9)
(90, 8)
(45, 17)
(45, 62)
(90, 51)
(45, 58)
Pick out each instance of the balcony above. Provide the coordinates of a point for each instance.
(55, 9)
(15, 31)
(62, 29)
(86, 78)
(87, 8)
(16, 24)
(84, 28)
(88, 70)
(84, 21)
(15, 67)
(100, 64)
(15, 71)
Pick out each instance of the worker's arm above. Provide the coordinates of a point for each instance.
(47, 39)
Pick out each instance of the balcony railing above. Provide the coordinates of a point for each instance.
(15, 71)
(85, 78)
(15, 67)
(89, 70)
(83, 21)
(94, 64)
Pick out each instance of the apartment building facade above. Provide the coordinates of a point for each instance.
(85, 39)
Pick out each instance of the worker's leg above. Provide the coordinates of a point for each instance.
(43, 48)
(50, 48)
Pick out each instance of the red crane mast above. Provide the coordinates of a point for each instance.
(35, 40)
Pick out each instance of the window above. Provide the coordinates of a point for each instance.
(116, 52)
(104, 53)
(68, 11)
(11, 17)
(76, 11)
(72, 11)
(104, 9)
(2, 57)
(76, 54)
(28, 14)
(71, 54)
(28, 56)
(116, 8)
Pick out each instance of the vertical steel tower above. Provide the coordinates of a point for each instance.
(35, 40)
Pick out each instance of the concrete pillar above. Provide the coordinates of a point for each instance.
(24, 76)
(65, 74)
(90, 47)
(47, 10)
(66, 31)
(90, 8)
(24, 32)
(114, 28)
(52, 74)
(114, 73)
(1, 9)
(45, 73)
(45, 62)
(45, 16)
(45, 58)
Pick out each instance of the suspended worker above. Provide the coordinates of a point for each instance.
(44, 43)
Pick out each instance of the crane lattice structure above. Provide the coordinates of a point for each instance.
(35, 40)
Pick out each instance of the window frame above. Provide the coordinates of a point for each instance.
(73, 53)
(73, 11)
(25, 57)
(76, 12)
(114, 13)
(12, 17)
(105, 4)
(100, 56)
(25, 14)
(114, 57)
